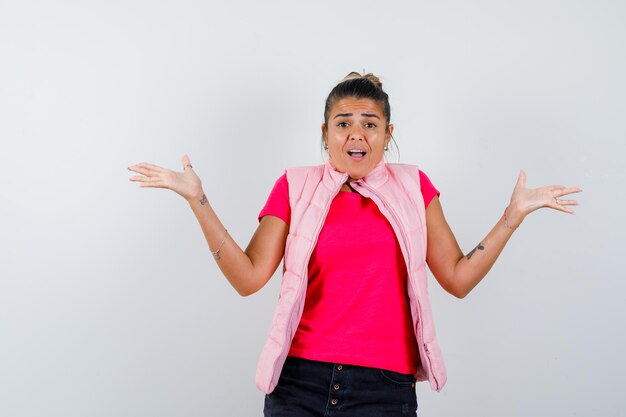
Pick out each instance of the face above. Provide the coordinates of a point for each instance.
(356, 136)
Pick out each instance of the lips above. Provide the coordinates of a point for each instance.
(357, 153)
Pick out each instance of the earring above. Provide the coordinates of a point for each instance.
(325, 147)
(386, 148)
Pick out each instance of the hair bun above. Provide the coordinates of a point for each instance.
(369, 76)
(374, 79)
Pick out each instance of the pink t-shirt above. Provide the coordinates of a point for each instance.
(356, 310)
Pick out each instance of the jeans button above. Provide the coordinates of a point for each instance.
(334, 401)
(339, 367)
(336, 387)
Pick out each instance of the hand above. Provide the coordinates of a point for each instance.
(526, 200)
(186, 183)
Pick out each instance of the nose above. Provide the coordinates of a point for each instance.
(356, 133)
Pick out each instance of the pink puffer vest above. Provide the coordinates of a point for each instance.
(395, 188)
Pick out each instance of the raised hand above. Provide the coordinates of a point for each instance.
(186, 183)
(526, 200)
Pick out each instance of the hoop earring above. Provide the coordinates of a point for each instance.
(325, 147)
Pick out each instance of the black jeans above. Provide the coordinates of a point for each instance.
(321, 389)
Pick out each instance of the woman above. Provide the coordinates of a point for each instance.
(352, 332)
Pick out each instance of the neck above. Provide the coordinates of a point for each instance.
(346, 186)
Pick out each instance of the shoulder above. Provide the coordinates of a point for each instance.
(407, 168)
(404, 173)
(304, 169)
(413, 175)
(295, 175)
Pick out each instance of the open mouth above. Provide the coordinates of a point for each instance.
(357, 153)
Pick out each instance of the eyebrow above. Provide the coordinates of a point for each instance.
(362, 114)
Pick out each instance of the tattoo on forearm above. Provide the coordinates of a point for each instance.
(479, 247)
(203, 200)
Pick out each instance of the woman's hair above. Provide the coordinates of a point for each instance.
(359, 86)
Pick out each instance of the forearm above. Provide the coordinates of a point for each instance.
(231, 259)
(470, 269)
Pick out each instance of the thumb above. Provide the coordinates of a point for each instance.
(186, 162)
(521, 180)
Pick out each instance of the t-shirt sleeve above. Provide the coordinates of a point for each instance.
(278, 201)
(428, 189)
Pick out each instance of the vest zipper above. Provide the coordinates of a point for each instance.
(306, 271)
(403, 236)
(318, 230)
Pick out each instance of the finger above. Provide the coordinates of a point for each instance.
(143, 170)
(146, 166)
(186, 162)
(566, 191)
(567, 202)
(521, 180)
(144, 179)
(561, 206)
(152, 183)
(565, 210)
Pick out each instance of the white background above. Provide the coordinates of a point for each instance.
(110, 302)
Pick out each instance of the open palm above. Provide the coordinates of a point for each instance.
(185, 183)
(526, 200)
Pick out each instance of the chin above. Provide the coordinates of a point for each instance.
(356, 175)
(353, 172)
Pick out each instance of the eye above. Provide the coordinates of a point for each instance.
(342, 124)
(370, 125)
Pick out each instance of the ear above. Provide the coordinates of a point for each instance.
(389, 133)
(324, 133)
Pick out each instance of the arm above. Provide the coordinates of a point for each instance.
(247, 271)
(459, 274)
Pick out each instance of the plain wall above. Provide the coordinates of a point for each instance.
(110, 302)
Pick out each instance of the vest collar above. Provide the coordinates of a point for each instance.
(375, 178)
